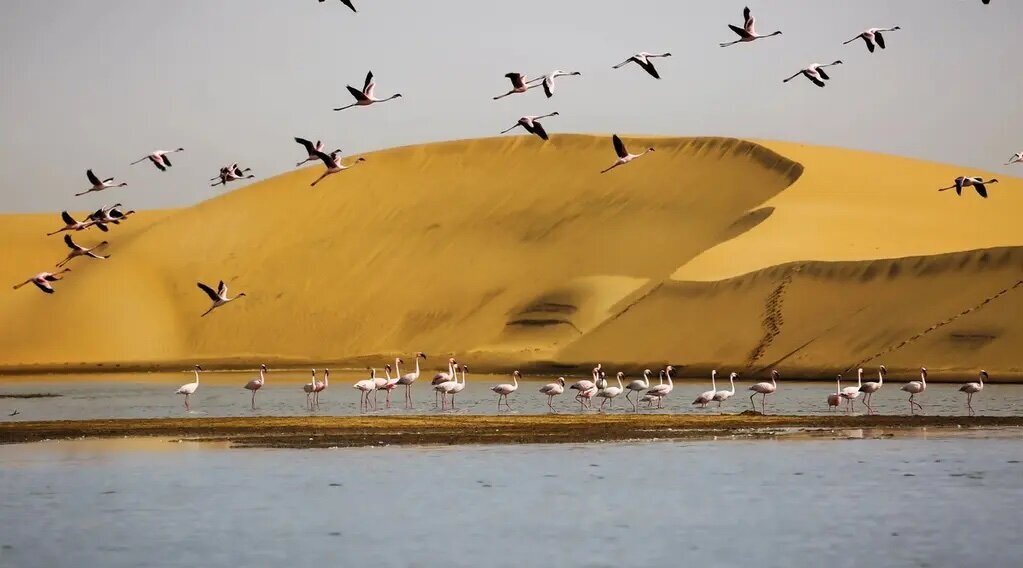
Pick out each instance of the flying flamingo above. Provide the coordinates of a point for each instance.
(443, 377)
(748, 31)
(366, 386)
(638, 386)
(519, 85)
(231, 173)
(312, 150)
(309, 389)
(71, 225)
(322, 386)
(624, 157)
(99, 185)
(532, 125)
(835, 398)
(365, 96)
(552, 390)
(503, 390)
(458, 386)
(663, 390)
(610, 393)
(1015, 159)
(109, 216)
(43, 280)
(256, 384)
(219, 297)
(977, 183)
(334, 165)
(390, 384)
(548, 80)
(723, 395)
(872, 36)
(764, 389)
(852, 393)
(643, 60)
(159, 159)
(914, 388)
(870, 387)
(973, 388)
(815, 73)
(189, 389)
(77, 251)
(409, 378)
(346, 3)
(708, 396)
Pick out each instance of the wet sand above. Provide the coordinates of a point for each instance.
(323, 432)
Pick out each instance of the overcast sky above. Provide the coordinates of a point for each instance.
(99, 83)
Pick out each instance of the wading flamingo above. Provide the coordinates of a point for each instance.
(503, 390)
(366, 386)
(707, 396)
(764, 389)
(188, 389)
(835, 398)
(444, 377)
(748, 31)
(723, 395)
(610, 393)
(309, 389)
(552, 390)
(409, 378)
(256, 384)
(638, 386)
(914, 388)
(624, 157)
(458, 386)
(869, 388)
(390, 384)
(365, 96)
(44, 280)
(322, 386)
(973, 388)
(852, 393)
(662, 390)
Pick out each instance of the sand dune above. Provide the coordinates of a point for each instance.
(511, 252)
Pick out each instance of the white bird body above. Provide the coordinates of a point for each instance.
(723, 395)
(505, 389)
(914, 388)
(748, 32)
(624, 157)
(98, 184)
(764, 389)
(159, 158)
(408, 378)
(973, 388)
(548, 80)
(662, 390)
(188, 389)
(851, 393)
(458, 386)
(219, 297)
(870, 387)
(873, 36)
(609, 393)
(708, 396)
(552, 390)
(366, 386)
(637, 386)
(643, 60)
(256, 384)
(365, 97)
(815, 73)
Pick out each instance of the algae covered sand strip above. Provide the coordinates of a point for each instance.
(313, 432)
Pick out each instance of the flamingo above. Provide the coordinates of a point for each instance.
(552, 390)
(443, 377)
(409, 378)
(334, 165)
(977, 183)
(519, 85)
(77, 251)
(71, 225)
(219, 297)
(99, 185)
(852, 393)
(662, 390)
(445, 388)
(309, 389)
(872, 36)
(532, 125)
(624, 157)
(390, 384)
(914, 388)
(586, 387)
(972, 388)
(748, 31)
(723, 395)
(548, 80)
(643, 60)
(231, 173)
(638, 386)
(764, 389)
(346, 3)
(1015, 159)
(43, 280)
(256, 384)
(109, 216)
(322, 386)
(610, 393)
(503, 390)
(365, 96)
(159, 159)
(708, 396)
(366, 386)
(815, 73)
(458, 386)
(188, 389)
(312, 150)
(835, 398)
(870, 387)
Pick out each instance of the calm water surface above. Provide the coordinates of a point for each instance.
(900, 502)
(221, 394)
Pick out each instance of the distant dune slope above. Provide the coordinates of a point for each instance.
(520, 252)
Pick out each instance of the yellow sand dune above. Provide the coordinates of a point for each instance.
(508, 251)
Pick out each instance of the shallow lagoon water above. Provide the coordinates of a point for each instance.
(930, 501)
(151, 395)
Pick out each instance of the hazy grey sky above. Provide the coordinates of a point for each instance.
(99, 83)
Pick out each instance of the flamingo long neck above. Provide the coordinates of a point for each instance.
(773, 381)
(326, 378)
(838, 384)
(262, 376)
(668, 374)
(417, 365)
(859, 378)
(196, 371)
(713, 380)
(981, 379)
(923, 378)
(731, 379)
(515, 380)
(620, 385)
(463, 377)
(397, 366)
(646, 380)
